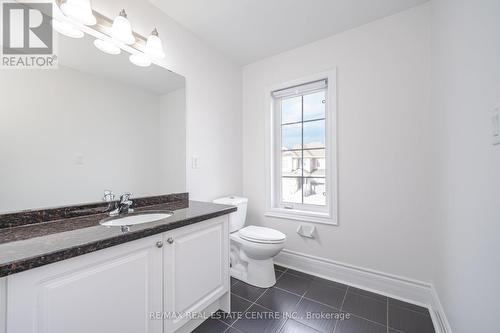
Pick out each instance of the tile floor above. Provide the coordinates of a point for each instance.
(314, 305)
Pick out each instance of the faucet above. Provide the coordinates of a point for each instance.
(121, 207)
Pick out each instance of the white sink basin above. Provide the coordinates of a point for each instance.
(136, 218)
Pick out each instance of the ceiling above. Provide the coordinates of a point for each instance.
(250, 30)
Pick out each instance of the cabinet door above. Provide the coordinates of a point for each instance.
(111, 290)
(196, 268)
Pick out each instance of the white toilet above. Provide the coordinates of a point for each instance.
(252, 248)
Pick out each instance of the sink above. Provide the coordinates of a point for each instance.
(136, 218)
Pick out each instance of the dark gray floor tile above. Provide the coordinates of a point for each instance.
(232, 330)
(211, 326)
(299, 274)
(409, 321)
(315, 315)
(259, 320)
(366, 307)
(409, 306)
(294, 284)
(238, 307)
(247, 291)
(279, 300)
(358, 325)
(367, 293)
(392, 330)
(330, 283)
(326, 293)
(234, 281)
(292, 326)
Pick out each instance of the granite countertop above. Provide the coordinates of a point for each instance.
(29, 246)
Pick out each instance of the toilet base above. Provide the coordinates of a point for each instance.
(258, 273)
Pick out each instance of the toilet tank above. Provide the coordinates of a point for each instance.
(236, 219)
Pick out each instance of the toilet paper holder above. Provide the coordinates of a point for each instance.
(306, 230)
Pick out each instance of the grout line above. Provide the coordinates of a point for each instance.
(387, 315)
(290, 292)
(253, 303)
(366, 319)
(414, 311)
(341, 306)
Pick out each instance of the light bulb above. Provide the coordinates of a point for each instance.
(80, 11)
(107, 47)
(154, 46)
(121, 29)
(140, 60)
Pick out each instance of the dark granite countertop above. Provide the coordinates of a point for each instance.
(29, 246)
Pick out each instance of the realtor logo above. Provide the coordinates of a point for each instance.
(27, 35)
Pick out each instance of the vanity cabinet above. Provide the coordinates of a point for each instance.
(118, 289)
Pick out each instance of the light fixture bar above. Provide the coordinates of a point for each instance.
(104, 24)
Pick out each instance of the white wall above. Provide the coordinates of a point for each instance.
(213, 99)
(65, 136)
(173, 141)
(466, 69)
(385, 188)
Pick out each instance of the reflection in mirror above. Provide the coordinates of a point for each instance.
(95, 123)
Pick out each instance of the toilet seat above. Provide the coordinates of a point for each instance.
(262, 235)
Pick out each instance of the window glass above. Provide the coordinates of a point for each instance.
(314, 106)
(314, 134)
(291, 136)
(303, 149)
(291, 110)
(291, 190)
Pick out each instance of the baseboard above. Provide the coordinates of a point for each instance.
(408, 290)
(438, 315)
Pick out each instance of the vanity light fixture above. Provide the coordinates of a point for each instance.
(107, 47)
(121, 30)
(79, 10)
(154, 47)
(140, 60)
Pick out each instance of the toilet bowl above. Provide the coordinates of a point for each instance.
(253, 248)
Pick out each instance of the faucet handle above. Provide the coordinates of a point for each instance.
(125, 197)
(108, 196)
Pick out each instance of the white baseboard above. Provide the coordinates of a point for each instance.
(408, 290)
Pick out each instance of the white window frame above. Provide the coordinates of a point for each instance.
(308, 213)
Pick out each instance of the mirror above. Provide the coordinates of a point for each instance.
(96, 122)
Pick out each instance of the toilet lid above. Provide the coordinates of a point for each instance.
(254, 233)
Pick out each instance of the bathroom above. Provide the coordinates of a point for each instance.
(249, 166)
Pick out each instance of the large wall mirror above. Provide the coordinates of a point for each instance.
(96, 122)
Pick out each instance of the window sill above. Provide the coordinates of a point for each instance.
(299, 215)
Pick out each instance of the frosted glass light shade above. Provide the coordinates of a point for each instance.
(140, 60)
(80, 11)
(154, 47)
(107, 47)
(66, 29)
(121, 29)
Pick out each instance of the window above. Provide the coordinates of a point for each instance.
(302, 151)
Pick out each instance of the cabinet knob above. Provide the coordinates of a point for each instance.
(170, 240)
(159, 244)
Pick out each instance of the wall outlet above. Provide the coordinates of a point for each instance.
(495, 125)
(79, 159)
(195, 162)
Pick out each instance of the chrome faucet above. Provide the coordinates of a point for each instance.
(117, 208)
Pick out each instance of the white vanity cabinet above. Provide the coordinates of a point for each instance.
(119, 288)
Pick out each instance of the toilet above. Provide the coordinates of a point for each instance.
(253, 248)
